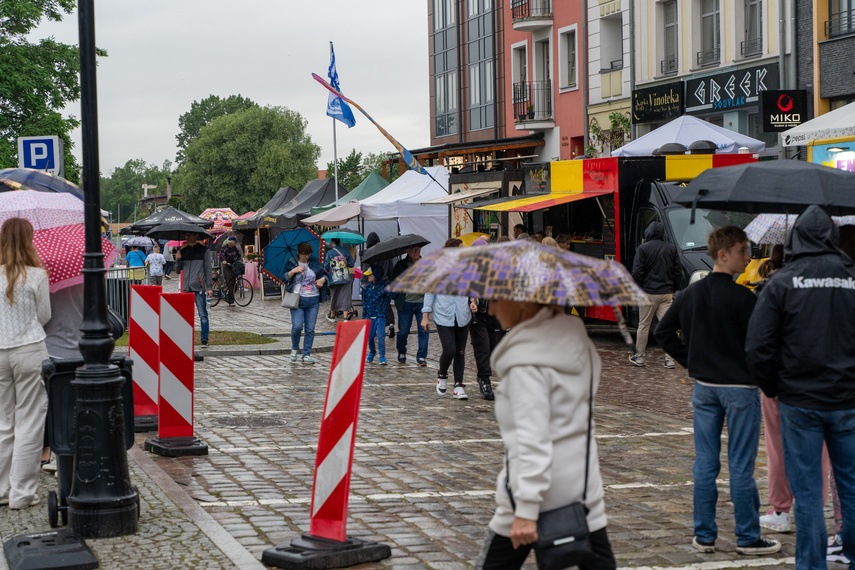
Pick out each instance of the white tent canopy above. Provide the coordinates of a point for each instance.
(839, 123)
(686, 130)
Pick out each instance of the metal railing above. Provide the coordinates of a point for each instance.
(119, 281)
(521, 9)
(709, 57)
(668, 66)
(751, 47)
(840, 23)
(533, 100)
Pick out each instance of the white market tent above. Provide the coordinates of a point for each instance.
(839, 123)
(686, 130)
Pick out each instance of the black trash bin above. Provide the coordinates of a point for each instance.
(58, 374)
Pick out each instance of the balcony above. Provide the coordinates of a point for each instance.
(668, 66)
(751, 48)
(533, 105)
(709, 57)
(840, 24)
(531, 15)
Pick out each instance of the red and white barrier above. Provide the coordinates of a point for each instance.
(338, 432)
(176, 365)
(144, 348)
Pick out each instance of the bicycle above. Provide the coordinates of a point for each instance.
(243, 291)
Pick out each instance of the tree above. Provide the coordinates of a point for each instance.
(202, 112)
(122, 191)
(350, 173)
(241, 159)
(36, 79)
(607, 141)
(374, 161)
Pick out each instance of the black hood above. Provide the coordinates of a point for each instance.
(813, 234)
(654, 231)
(372, 239)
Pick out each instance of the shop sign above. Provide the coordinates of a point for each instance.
(730, 90)
(839, 155)
(782, 110)
(660, 103)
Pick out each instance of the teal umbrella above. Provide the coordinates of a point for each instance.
(346, 237)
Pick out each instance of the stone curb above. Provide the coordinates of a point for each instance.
(123, 351)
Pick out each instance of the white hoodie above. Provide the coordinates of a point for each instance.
(542, 409)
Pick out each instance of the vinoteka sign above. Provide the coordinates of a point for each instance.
(730, 90)
(660, 103)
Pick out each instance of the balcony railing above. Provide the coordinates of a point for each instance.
(709, 57)
(840, 23)
(667, 66)
(522, 9)
(533, 101)
(750, 48)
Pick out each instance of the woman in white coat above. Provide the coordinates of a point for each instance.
(546, 363)
(24, 309)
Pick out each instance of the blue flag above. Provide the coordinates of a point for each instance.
(336, 108)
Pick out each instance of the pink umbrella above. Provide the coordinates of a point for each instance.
(222, 218)
(43, 209)
(61, 252)
(174, 243)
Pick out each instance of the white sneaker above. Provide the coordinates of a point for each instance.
(669, 362)
(441, 385)
(835, 550)
(459, 392)
(778, 522)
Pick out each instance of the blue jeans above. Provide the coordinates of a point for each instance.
(405, 323)
(202, 309)
(378, 329)
(741, 407)
(802, 433)
(305, 316)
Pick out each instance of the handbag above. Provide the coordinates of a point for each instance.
(238, 268)
(291, 300)
(563, 538)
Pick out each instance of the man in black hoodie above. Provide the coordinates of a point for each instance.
(801, 347)
(656, 269)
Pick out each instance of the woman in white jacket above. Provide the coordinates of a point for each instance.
(24, 309)
(545, 362)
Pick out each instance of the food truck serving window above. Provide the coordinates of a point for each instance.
(694, 236)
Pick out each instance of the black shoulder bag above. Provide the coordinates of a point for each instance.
(563, 538)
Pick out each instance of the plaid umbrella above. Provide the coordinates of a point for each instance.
(773, 228)
(30, 179)
(61, 252)
(43, 209)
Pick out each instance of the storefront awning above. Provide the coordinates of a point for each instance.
(532, 202)
(460, 196)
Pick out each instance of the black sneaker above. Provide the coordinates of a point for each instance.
(204, 343)
(402, 358)
(705, 547)
(391, 331)
(759, 548)
(486, 388)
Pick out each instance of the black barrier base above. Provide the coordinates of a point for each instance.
(176, 446)
(145, 423)
(58, 549)
(313, 552)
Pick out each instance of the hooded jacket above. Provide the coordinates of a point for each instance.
(656, 267)
(196, 264)
(546, 364)
(381, 269)
(801, 338)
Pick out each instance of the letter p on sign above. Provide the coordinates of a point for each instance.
(41, 153)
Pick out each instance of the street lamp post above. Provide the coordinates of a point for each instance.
(102, 501)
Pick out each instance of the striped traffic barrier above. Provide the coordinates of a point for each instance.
(144, 351)
(327, 544)
(175, 403)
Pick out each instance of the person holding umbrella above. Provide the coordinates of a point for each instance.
(306, 273)
(411, 305)
(194, 259)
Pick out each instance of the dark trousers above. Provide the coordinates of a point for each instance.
(484, 339)
(498, 553)
(229, 276)
(453, 341)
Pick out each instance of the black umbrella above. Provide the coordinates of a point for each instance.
(176, 230)
(772, 187)
(392, 248)
(168, 215)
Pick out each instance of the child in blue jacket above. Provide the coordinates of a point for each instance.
(375, 300)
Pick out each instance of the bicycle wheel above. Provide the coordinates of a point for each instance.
(243, 292)
(217, 294)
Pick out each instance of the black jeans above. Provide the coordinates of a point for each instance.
(485, 337)
(230, 282)
(498, 553)
(453, 341)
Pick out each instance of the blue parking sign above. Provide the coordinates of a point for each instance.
(42, 153)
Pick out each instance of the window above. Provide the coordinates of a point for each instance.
(841, 15)
(710, 53)
(480, 59)
(567, 56)
(445, 67)
(753, 44)
(611, 42)
(670, 39)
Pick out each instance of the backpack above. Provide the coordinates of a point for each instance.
(338, 269)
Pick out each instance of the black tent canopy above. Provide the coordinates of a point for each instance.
(170, 214)
(282, 197)
(315, 193)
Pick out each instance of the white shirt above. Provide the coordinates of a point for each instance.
(23, 321)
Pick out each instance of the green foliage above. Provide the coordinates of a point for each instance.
(123, 189)
(36, 79)
(602, 141)
(202, 112)
(374, 161)
(350, 173)
(241, 159)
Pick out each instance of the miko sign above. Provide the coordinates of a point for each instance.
(41, 153)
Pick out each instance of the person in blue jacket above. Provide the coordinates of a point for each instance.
(306, 275)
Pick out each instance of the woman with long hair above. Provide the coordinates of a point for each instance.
(24, 309)
(305, 274)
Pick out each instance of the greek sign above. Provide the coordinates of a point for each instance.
(730, 90)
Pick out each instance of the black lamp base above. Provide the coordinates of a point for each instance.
(176, 446)
(313, 552)
(53, 550)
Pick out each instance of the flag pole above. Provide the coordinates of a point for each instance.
(334, 146)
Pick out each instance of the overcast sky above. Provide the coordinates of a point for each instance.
(165, 54)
